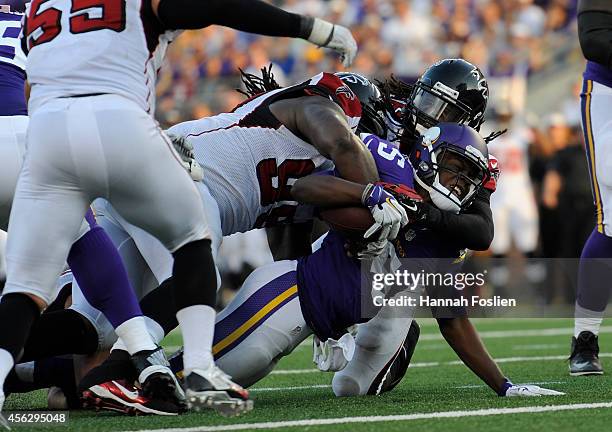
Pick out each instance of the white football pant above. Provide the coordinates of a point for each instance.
(79, 149)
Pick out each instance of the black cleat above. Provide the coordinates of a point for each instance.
(584, 359)
(157, 380)
(394, 371)
(212, 388)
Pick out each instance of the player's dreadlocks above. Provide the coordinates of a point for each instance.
(494, 135)
(393, 89)
(255, 85)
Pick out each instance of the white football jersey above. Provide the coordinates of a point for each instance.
(80, 48)
(250, 159)
(10, 44)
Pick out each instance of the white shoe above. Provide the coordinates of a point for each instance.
(212, 388)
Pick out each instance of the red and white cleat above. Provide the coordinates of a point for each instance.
(125, 398)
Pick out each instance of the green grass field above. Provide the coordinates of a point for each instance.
(436, 385)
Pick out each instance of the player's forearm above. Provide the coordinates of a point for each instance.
(327, 191)
(325, 127)
(464, 340)
(595, 30)
(354, 162)
(472, 230)
(253, 16)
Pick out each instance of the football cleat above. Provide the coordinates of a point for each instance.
(157, 380)
(122, 397)
(212, 388)
(584, 359)
(394, 371)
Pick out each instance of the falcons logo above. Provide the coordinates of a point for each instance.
(346, 91)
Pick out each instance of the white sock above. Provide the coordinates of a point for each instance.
(198, 328)
(155, 330)
(587, 320)
(134, 335)
(6, 364)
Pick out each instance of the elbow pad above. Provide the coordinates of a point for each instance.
(595, 35)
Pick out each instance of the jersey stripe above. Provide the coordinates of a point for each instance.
(590, 150)
(234, 328)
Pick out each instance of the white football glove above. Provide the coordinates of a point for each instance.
(527, 390)
(389, 216)
(333, 355)
(336, 37)
(372, 249)
(185, 150)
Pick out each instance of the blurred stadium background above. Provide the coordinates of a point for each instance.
(529, 52)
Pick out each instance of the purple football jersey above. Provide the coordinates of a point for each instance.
(329, 282)
(12, 66)
(598, 73)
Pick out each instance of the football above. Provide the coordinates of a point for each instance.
(351, 221)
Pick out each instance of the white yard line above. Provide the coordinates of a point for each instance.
(493, 334)
(392, 418)
(522, 383)
(446, 363)
(322, 386)
(305, 387)
(538, 346)
(559, 331)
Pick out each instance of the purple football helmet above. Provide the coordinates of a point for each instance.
(451, 162)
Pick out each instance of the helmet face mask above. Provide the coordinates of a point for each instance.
(432, 105)
(450, 163)
(458, 178)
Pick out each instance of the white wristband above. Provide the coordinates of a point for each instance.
(321, 32)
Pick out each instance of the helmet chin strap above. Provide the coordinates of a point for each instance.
(440, 200)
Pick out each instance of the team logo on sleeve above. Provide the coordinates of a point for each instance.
(346, 91)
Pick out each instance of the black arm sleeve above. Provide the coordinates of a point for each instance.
(253, 16)
(472, 229)
(595, 31)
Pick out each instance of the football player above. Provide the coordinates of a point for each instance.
(453, 90)
(95, 105)
(282, 303)
(93, 257)
(594, 30)
(238, 190)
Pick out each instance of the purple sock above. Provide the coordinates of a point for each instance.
(99, 270)
(595, 272)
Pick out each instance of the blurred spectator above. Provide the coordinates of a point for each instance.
(566, 193)
(508, 40)
(513, 205)
(567, 188)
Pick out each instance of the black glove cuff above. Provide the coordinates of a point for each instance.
(306, 25)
